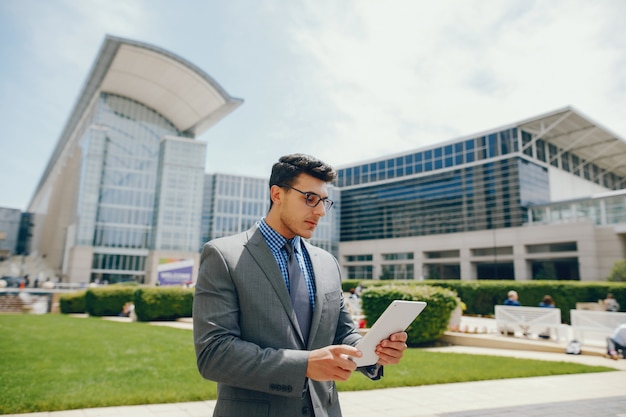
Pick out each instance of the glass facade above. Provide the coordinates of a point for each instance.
(23, 237)
(232, 204)
(477, 197)
(179, 194)
(609, 209)
(424, 161)
(10, 221)
(136, 190)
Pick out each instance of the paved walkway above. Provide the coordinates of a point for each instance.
(584, 395)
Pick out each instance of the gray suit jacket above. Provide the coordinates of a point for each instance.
(246, 333)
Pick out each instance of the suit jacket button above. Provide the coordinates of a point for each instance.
(305, 411)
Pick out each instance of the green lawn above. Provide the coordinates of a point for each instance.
(57, 362)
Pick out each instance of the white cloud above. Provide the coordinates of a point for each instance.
(343, 80)
(405, 74)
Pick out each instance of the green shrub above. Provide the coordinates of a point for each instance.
(108, 300)
(433, 321)
(618, 273)
(347, 284)
(72, 303)
(163, 303)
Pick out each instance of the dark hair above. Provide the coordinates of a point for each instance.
(289, 167)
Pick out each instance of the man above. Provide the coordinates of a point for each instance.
(247, 330)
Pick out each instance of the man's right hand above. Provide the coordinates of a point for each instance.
(332, 363)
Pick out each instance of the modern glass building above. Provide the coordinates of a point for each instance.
(461, 209)
(121, 197)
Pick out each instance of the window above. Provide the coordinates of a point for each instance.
(358, 258)
(505, 250)
(443, 254)
(397, 256)
(469, 150)
(492, 145)
(565, 162)
(541, 150)
(554, 153)
(359, 272)
(396, 271)
(526, 141)
(442, 271)
(552, 247)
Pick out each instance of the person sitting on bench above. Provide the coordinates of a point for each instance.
(617, 342)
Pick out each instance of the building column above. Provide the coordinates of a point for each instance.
(466, 265)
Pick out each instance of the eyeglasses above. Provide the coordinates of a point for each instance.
(312, 199)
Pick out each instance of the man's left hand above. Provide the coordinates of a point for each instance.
(390, 350)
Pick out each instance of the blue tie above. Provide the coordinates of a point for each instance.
(299, 292)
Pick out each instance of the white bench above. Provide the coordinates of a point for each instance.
(539, 320)
(601, 323)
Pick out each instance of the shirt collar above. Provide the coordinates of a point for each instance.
(275, 240)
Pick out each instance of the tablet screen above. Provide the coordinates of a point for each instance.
(396, 318)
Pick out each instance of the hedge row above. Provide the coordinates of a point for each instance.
(163, 303)
(480, 297)
(170, 303)
(151, 303)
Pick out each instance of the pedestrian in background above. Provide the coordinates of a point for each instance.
(512, 299)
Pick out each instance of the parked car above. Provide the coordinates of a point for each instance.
(13, 281)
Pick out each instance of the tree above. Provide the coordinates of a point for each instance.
(618, 273)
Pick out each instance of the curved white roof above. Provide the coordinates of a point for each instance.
(174, 87)
(184, 94)
(571, 131)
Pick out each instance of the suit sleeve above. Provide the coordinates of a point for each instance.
(348, 334)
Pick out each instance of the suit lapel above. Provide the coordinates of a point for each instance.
(264, 258)
(319, 270)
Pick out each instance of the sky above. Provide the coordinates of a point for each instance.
(343, 80)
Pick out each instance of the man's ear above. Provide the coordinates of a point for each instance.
(276, 194)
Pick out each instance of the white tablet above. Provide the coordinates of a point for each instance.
(396, 318)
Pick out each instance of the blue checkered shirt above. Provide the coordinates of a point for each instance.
(276, 243)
